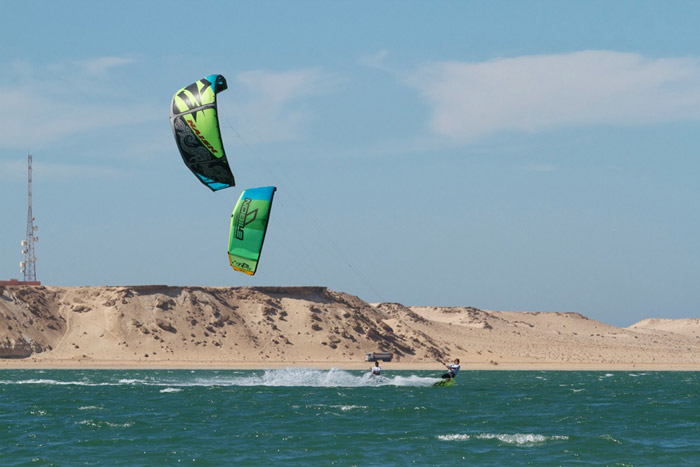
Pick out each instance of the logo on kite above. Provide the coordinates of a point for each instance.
(243, 217)
(195, 123)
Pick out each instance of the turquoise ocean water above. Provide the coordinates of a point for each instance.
(300, 416)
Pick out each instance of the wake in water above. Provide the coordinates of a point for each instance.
(307, 377)
(289, 377)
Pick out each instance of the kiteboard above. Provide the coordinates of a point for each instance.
(445, 382)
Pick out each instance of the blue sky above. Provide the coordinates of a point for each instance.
(508, 155)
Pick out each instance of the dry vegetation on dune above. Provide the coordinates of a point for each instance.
(160, 325)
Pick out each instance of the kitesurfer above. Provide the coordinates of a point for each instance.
(452, 369)
(376, 370)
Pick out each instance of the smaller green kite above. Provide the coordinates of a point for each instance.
(248, 227)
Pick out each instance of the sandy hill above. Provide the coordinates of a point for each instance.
(687, 327)
(160, 325)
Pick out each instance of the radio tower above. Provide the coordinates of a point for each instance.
(28, 266)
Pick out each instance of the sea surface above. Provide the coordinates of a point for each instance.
(299, 416)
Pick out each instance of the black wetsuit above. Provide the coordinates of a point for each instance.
(452, 372)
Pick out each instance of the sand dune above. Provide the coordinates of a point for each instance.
(687, 327)
(242, 327)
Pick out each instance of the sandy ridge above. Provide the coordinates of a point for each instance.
(160, 326)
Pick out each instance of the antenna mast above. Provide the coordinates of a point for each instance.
(28, 266)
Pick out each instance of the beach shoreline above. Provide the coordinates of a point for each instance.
(66, 364)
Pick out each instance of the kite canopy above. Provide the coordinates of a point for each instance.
(195, 123)
(248, 227)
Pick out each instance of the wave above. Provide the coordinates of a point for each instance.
(104, 423)
(58, 383)
(342, 407)
(507, 438)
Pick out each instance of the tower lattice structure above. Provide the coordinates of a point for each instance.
(28, 266)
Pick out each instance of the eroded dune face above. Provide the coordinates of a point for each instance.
(157, 324)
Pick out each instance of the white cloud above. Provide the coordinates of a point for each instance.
(540, 168)
(39, 119)
(92, 66)
(102, 65)
(13, 170)
(542, 92)
(275, 102)
(63, 100)
(16, 170)
(376, 60)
